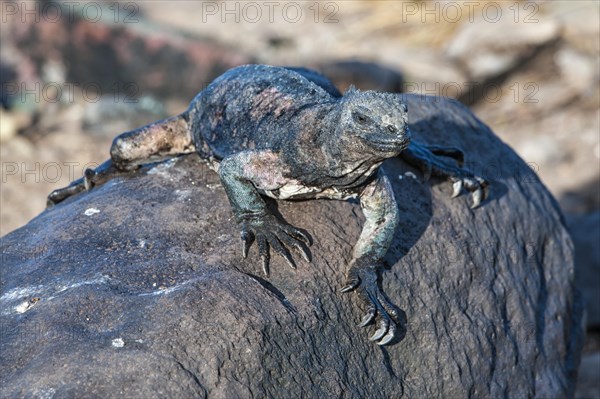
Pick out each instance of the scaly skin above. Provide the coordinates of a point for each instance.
(287, 133)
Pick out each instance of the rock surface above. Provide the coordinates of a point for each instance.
(121, 61)
(138, 289)
(362, 75)
(477, 48)
(585, 230)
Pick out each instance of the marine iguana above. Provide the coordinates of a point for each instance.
(288, 133)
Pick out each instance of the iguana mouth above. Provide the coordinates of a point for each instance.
(387, 142)
(394, 145)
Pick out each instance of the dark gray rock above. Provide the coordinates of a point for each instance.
(150, 297)
(585, 231)
(363, 75)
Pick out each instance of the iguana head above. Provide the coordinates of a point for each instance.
(373, 123)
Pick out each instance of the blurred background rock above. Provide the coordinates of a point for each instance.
(75, 74)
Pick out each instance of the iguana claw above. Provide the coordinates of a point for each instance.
(456, 188)
(429, 160)
(362, 277)
(271, 233)
(476, 185)
(91, 178)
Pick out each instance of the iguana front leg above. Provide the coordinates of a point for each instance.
(242, 175)
(381, 212)
(429, 160)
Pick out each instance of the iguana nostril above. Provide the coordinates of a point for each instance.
(392, 128)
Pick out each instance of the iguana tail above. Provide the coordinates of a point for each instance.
(159, 140)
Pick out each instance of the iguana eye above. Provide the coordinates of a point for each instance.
(360, 118)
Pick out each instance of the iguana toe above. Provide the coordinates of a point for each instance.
(247, 240)
(272, 234)
(477, 197)
(263, 252)
(369, 317)
(363, 278)
(275, 244)
(89, 176)
(456, 188)
(450, 152)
